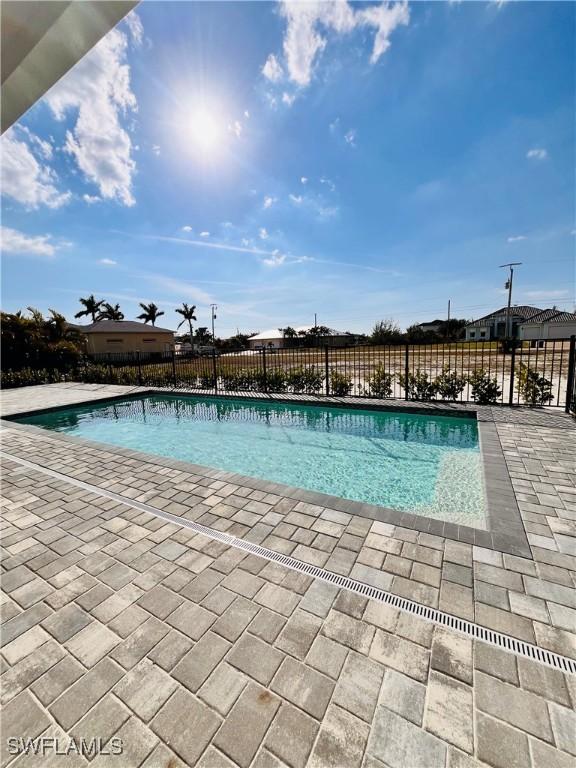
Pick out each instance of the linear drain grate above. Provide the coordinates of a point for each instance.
(468, 628)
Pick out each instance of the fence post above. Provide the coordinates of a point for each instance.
(214, 371)
(512, 371)
(174, 365)
(139, 367)
(264, 369)
(326, 370)
(571, 373)
(406, 369)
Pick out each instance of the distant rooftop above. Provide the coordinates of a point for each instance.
(524, 312)
(552, 316)
(118, 326)
(276, 333)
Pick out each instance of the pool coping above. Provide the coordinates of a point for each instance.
(505, 528)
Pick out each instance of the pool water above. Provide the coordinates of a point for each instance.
(427, 465)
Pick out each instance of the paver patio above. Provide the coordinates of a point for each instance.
(118, 624)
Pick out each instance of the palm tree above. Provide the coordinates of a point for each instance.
(150, 313)
(57, 329)
(111, 312)
(289, 333)
(187, 316)
(91, 307)
(36, 316)
(203, 336)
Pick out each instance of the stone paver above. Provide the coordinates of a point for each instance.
(117, 623)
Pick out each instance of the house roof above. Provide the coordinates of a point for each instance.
(524, 312)
(431, 322)
(552, 316)
(276, 333)
(118, 326)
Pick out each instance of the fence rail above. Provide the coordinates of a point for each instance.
(537, 373)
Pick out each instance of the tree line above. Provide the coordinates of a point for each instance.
(33, 338)
(388, 332)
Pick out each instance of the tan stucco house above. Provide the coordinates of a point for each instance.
(126, 336)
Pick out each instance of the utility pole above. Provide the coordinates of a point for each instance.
(214, 308)
(508, 284)
(448, 310)
(315, 320)
(448, 321)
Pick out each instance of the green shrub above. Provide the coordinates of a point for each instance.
(308, 380)
(340, 384)
(449, 384)
(206, 381)
(92, 373)
(27, 377)
(230, 379)
(276, 380)
(380, 382)
(534, 388)
(418, 385)
(485, 389)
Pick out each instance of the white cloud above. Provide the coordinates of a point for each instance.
(44, 147)
(384, 18)
(272, 70)
(537, 153)
(515, 238)
(135, 27)
(315, 205)
(156, 149)
(247, 114)
(107, 262)
(269, 201)
(307, 25)
(13, 241)
(327, 212)
(350, 137)
(25, 178)
(204, 234)
(275, 260)
(98, 90)
(304, 180)
(236, 128)
(329, 183)
(288, 98)
(262, 234)
(186, 228)
(91, 199)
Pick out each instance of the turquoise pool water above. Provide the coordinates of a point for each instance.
(428, 465)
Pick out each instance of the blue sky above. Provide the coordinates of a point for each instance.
(360, 161)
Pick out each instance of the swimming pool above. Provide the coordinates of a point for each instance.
(425, 464)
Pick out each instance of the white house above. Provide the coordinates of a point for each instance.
(275, 339)
(493, 326)
(550, 324)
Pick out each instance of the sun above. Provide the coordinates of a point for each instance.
(205, 131)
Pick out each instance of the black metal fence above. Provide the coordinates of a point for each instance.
(535, 373)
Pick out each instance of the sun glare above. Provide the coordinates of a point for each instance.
(205, 131)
